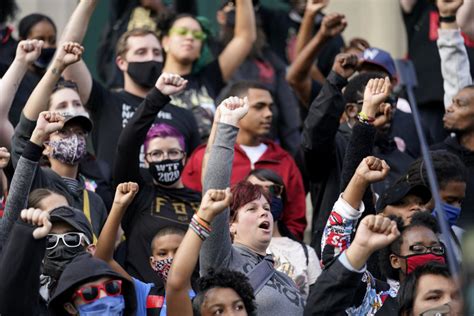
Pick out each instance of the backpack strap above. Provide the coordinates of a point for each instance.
(261, 273)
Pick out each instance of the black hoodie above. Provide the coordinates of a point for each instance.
(85, 268)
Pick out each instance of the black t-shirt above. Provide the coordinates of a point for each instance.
(27, 85)
(200, 94)
(152, 209)
(111, 111)
(422, 31)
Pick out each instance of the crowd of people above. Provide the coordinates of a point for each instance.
(177, 182)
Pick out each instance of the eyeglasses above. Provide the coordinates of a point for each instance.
(71, 240)
(158, 155)
(183, 31)
(421, 249)
(275, 189)
(91, 293)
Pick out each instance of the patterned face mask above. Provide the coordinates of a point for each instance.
(69, 150)
(162, 267)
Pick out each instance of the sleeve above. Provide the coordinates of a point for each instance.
(127, 166)
(20, 271)
(454, 63)
(22, 135)
(294, 214)
(321, 125)
(20, 187)
(338, 230)
(216, 249)
(141, 291)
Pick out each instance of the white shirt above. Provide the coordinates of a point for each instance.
(254, 152)
(290, 259)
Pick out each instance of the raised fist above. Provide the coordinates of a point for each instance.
(4, 157)
(375, 94)
(213, 203)
(170, 84)
(375, 232)
(372, 169)
(345, 64)
(29, 50)
(48, 123)
(314, 6)
(233, 109)
(69, 53)
(333, 24)
(39, 218)
(125, 193)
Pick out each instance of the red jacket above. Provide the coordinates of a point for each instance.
(274, 158)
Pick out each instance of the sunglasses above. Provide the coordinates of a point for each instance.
(91, 293)
(71, 240)
(183, 31)
(275, 189)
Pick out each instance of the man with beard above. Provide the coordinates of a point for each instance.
(325, 140)
(68, 234)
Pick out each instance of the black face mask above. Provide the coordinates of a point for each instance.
(145, 73)
(166, 172)
(56, 259)
(45, 58)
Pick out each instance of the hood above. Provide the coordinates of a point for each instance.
(85, 268)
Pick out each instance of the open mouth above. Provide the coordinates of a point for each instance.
(264, 225)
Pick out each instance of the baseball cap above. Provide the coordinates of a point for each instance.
(401, 189)
(81, 119)
(381, 58)
(73, 217)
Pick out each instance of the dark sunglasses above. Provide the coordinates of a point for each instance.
(91, 293)
(71, 240)
(275, 189)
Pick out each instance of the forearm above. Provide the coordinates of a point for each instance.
(106, 242)
(454, 61)
(9, 84)
(304, 33)
(80, 74)
(465, 18)
(39, 98)
(21, 136)
(19, 189)
(133, 136)
(76, 28)
(210, 142)
(245, 21)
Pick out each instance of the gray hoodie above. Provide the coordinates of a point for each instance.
(279, 296)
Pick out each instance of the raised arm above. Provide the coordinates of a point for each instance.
(322, 121)
(465, 17)
(217, 248)
(26, 53)
(299, 73)
(75, 31)
(454, 58)
(133, 135)
(313, 7)
(184, 262)
(349, 208)
(124, 195)
(244, 36)
(38, 101)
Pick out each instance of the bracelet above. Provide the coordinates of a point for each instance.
(200, 230)
(202, 222)
(364, 118)
(447, 19)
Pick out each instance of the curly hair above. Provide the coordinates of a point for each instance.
(419, 219)
(224, 278)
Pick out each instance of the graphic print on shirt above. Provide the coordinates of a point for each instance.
(173, 210)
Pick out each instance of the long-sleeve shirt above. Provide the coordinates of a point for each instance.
(279, 296)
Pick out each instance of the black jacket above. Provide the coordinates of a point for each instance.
(452, 145)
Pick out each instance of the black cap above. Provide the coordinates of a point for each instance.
(80, 119)
(401, 189)
(73, 217)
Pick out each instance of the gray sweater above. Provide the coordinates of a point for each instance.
(280, 295)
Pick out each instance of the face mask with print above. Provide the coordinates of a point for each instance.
(145, 73)
(69, 150)
(166, 172)
(109, 305)
(162, 267)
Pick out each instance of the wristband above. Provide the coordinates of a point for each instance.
(202, 222)
(447, 19)
(364, 118)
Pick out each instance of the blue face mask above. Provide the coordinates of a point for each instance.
(452, 213)
(276, 207)
(109, 305)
